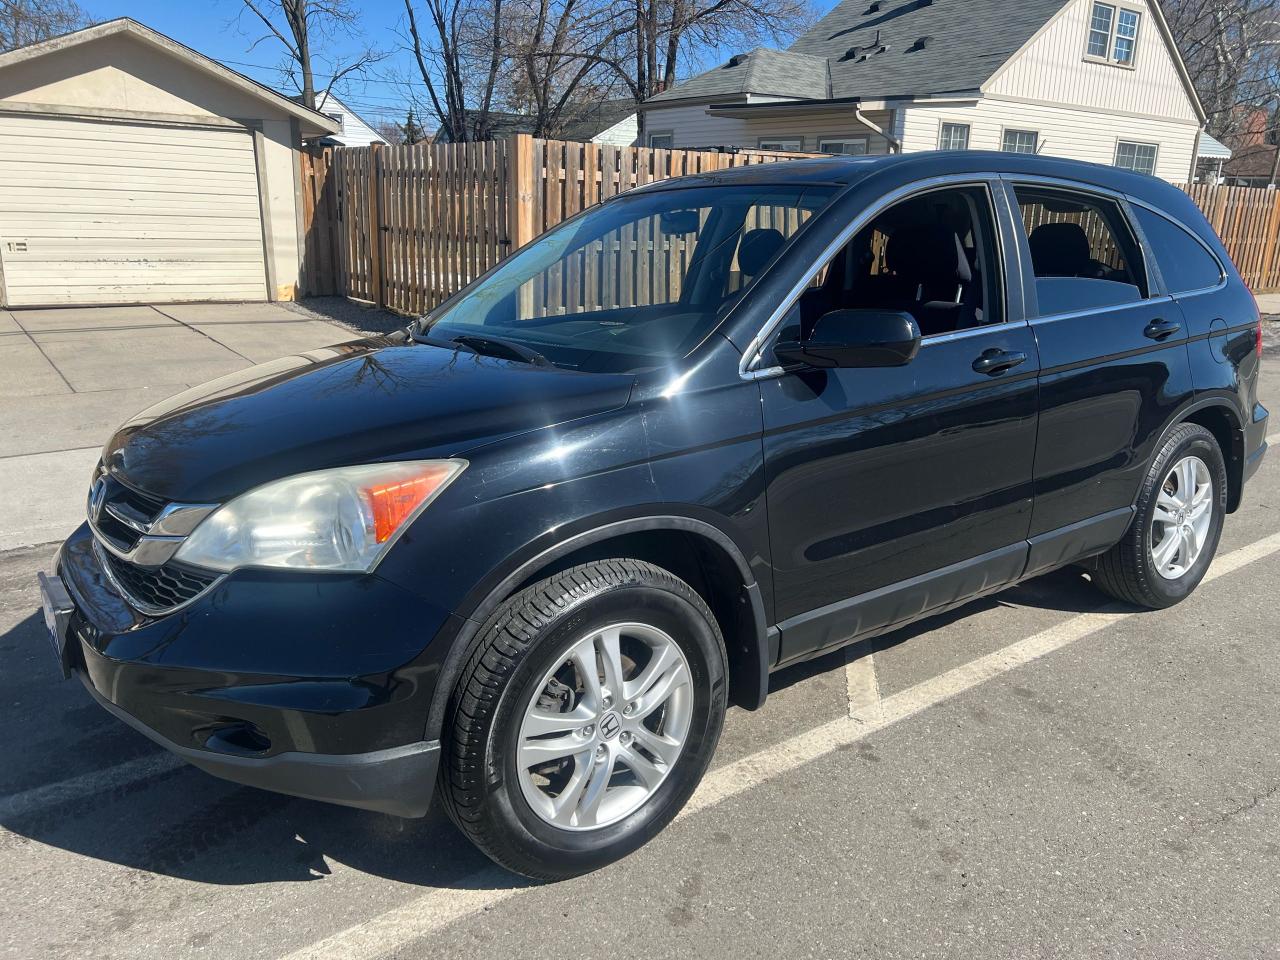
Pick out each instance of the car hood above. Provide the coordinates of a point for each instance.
(370, 400)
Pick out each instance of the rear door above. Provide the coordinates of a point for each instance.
(1114, 367)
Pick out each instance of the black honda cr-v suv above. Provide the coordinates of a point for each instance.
(528, 549)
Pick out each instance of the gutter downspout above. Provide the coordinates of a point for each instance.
(894, 145)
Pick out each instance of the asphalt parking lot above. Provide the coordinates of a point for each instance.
(1038, 774)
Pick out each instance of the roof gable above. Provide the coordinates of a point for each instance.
(313, 120)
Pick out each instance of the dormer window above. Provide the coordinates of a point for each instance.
(1113, 34)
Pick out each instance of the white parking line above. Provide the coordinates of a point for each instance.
(863, 688)
(426, 914)
(87, 785)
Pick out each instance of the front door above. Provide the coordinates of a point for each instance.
(893, 491)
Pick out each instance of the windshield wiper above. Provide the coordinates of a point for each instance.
(500, 347)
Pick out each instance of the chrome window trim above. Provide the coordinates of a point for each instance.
(969, 332)
(754, 351)
(1111, 308)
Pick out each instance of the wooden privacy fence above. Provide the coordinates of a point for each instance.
(406, 226)
(1248, 221)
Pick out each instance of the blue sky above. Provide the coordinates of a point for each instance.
(210, 26)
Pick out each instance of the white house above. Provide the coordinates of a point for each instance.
(135, 170)
(1096, 80)
(354, 131)
(613, 122)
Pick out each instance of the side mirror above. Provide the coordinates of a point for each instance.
(855, 338)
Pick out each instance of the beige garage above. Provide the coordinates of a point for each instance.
(134, 170)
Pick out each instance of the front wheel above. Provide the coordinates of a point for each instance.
(1175, 531)
(585, 718)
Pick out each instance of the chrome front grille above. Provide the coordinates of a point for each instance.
(137, 535)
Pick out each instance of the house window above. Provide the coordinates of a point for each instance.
(1100, 24)
(856, 146)
(1138, 157)
(782, 145)
(335, 117)
(1126, 36)
(662, 141)
(954, 136)
(1113, 34)
(1020, 141)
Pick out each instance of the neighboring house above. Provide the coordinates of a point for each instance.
(608, 121)
(1086, 79)
(1252, 166)
(354, 131)
(1211, 157)
(135, 170)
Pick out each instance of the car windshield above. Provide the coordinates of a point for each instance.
(631, 284)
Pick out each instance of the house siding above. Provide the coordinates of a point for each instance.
(1053, 68)
(621, 134)
(1071, 132)
(692, 127)
(355, 132)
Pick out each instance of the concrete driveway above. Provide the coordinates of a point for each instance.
(71, 375)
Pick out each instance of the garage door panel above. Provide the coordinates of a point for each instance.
(122, 132)
(127, 212)
(147, 293)
(130, 180)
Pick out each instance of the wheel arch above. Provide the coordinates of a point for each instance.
(697, 551)
(1220, 417)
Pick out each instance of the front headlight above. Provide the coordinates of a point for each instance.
(341, 519)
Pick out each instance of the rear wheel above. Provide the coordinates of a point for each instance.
(1175, 531)
(585, 718)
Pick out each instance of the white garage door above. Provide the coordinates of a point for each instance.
(117, 212)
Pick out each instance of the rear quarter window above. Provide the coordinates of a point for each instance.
(1184, 262)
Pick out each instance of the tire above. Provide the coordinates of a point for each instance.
(505, 807)
(1129, 571)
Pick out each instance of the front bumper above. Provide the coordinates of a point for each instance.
(318, 687)
(399, 781)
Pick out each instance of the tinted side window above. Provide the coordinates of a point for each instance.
(1082, 249)
(1184, 262)
(934, 256)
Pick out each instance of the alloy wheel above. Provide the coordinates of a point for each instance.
(1183, 517)
(605, 726)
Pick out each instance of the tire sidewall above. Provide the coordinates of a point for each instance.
(1195, 442)
(576, 850)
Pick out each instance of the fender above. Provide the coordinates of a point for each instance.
(1235, 459)
(487, 596)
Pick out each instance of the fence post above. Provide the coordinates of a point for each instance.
(375, 224)
(520, 192)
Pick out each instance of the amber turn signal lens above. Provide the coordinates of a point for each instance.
(391, 504)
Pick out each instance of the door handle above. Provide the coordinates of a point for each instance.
(996, 361)
(1159, 329)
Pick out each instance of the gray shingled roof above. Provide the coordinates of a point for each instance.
(967, 41)
(779, 73)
